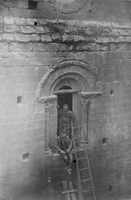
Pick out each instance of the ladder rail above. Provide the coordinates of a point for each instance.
(90, 173)
(77, 169)
(80, 193)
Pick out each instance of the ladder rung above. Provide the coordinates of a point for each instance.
(69, 191)
(83, 169)
(79, 150)
(85, 180)
(83, 158)
(87, 191)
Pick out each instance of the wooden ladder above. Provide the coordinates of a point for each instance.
(85, 185)
(86, 189)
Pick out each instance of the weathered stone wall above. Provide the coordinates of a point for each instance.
(100, 10)
(30, 46)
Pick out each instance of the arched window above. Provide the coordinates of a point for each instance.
(71, 82)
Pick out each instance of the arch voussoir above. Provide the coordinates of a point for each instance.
(75, 70)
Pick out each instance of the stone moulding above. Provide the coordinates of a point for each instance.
(76, 70)
(63, 31)
(47, 99)
(91, 94)
(81, 63)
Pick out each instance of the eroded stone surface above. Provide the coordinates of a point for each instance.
(33, 43)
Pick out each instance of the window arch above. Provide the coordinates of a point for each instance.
(65, 87)
(73, 73)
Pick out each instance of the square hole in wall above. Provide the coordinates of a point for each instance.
(25, 156)
(19, 99)
(32, 4)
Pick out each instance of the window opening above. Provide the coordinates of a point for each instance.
(65, 98)
(32, 4)
(62, 99)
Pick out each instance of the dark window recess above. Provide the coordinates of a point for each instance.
(19, 99)
(32, 4)
(65, 98)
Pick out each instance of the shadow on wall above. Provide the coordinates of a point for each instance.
(41, 183)
(33, 186)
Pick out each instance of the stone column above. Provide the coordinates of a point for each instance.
(86, 98)
(50, 120)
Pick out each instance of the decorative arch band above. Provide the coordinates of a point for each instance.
(76, 72)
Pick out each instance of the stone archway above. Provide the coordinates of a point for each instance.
(75, 71)
(78, 76)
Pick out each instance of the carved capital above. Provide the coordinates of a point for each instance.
(91, 94)
(47, 99)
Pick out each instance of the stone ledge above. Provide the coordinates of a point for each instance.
(19, 37)
(59, 30)
(42, 21)
(20, 46)
(26, 29)
(29, 25)
(68, 39)
(19, 20)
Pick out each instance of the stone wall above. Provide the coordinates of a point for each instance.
(30, 45)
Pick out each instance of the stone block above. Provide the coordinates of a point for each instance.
(19, 20)
(9, 20)
(46, 38)
(4, 47)
(35, 47)
(11, 28)
(25, 21)
(8, 37)
(21, 37)
(20, 47)
(22, 4)
(32, 29)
